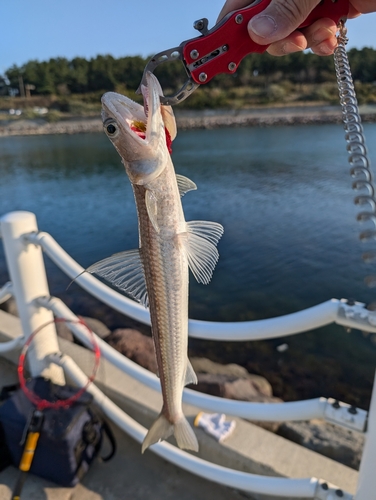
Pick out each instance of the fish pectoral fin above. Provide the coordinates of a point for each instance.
(190, 375)
(200, 244)
(124, 271)
(152, 208)
(185, 184)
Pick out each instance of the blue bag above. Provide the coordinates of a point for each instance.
(69, 440)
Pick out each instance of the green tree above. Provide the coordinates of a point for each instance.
(128, 71)
(101, 73)
(79, 75)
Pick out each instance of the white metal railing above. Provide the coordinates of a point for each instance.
(23, 242)
(331, 311)
(321, 408)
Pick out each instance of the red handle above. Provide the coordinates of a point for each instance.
(222, 49)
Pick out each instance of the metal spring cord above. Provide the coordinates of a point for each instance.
(356, 145)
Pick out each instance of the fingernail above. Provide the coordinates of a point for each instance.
(263, 26)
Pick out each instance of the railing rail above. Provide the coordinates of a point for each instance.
(23, 242)
(321, 408)
(331, 311)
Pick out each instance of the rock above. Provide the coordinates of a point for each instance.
(63, 331)
(335, 442)
(136, 346)
(10, 306)
(204, 365)
(230, 387)
(234, 382)
(97, 327)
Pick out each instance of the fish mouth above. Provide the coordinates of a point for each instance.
(144, 126)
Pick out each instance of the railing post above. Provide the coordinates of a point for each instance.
(367, 472)
(28, 276)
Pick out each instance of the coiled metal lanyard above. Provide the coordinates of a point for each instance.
(356, 146)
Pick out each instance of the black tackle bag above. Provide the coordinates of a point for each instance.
(70, 438)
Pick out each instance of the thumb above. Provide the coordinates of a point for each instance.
(279, 19)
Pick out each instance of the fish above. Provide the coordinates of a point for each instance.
(157, 273)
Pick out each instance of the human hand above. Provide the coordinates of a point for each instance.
(277, 25)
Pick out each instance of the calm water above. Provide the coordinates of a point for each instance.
(282, 194)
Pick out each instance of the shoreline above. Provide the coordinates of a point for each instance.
(203, 119)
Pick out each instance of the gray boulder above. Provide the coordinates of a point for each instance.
(337, 443)
(99, 328)
(135, 346)
(230, 387)
(239, 381)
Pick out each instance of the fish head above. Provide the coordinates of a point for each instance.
(141, 134)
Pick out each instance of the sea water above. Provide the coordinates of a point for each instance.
(284, 197)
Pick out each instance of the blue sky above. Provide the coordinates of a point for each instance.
(41, 29)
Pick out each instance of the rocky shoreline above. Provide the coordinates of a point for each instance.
(187, 120)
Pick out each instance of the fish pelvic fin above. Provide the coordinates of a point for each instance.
(190, 375)
(162, 429)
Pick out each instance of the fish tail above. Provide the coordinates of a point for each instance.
(162, 429)
(184, 435)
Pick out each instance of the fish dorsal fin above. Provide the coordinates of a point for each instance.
(152, 208)
(185, 184)
(125, 272)
(190, 375)
(200, 244)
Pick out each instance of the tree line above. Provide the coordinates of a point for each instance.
(60, 76)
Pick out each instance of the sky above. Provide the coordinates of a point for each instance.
(43, 29)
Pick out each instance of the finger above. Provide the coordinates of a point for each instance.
(295, 42)
(279, 20)
(321, 37)
(231, 5)
(362, 6)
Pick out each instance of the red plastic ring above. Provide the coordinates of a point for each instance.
(62, 403)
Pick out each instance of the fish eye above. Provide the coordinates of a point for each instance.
(111, 128)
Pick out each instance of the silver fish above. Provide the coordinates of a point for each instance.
(156, 274)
